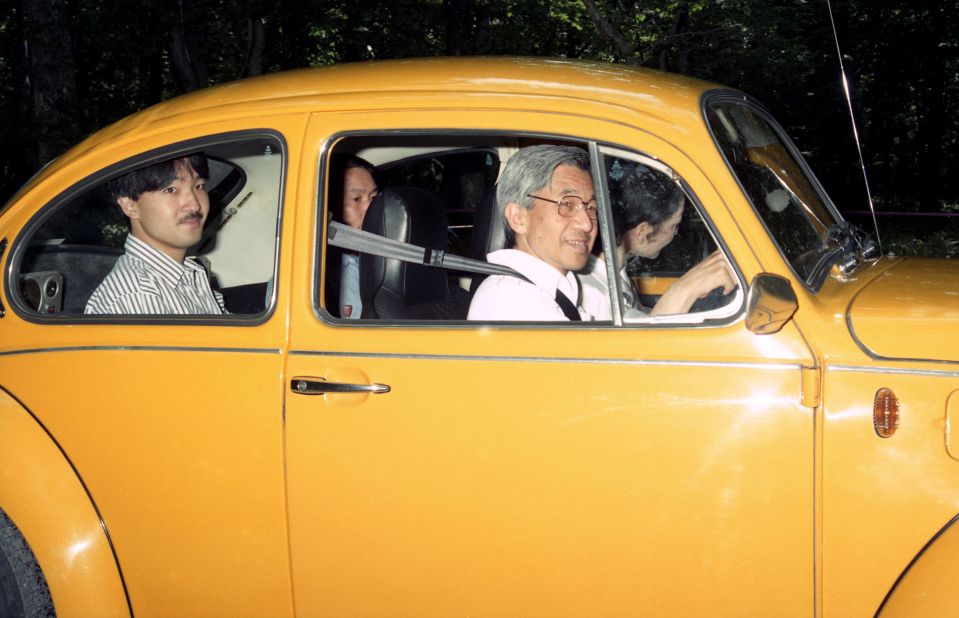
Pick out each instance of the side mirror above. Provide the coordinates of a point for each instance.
(770, 302)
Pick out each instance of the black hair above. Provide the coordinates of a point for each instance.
(339, 164)
(645, 196)
(155, 177)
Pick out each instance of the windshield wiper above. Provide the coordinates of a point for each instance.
(857, 246)
(846, 246)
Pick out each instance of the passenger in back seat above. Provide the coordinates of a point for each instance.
(349, 202)
(166, 204)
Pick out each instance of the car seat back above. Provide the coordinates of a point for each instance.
(392, 289)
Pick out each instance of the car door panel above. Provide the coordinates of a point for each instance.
(547, 470)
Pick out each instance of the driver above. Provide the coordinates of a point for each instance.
(645, 221)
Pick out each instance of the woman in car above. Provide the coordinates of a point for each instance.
(646, 220)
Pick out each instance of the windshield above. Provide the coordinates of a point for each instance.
(778, 185)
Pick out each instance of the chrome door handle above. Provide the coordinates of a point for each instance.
(319, 386)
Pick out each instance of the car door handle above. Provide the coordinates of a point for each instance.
(319, 386)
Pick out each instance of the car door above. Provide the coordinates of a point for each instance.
(544, 469)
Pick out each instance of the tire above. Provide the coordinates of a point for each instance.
(23, 589)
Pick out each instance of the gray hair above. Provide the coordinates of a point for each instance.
(528, 171)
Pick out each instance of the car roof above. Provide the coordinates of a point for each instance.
(651, 92)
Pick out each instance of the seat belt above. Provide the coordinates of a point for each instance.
(345, 237)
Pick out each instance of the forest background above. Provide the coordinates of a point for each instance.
(68, 68)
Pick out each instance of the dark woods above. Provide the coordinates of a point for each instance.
(68, 68)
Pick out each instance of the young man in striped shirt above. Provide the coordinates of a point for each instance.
(166, 204)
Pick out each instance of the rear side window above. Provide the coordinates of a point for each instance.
(72, 244)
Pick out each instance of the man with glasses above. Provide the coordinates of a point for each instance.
(545, 194)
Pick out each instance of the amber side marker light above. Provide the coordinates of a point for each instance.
(885, 413)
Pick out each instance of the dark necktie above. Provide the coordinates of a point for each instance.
(569, 309)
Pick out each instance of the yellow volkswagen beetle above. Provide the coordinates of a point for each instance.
(784, 449)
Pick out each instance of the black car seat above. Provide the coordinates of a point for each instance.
(489, 233)
(392, 289)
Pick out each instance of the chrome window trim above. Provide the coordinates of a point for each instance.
(135, 348)
(937, 373)
(777, 366)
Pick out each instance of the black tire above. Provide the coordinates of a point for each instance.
(23, 589)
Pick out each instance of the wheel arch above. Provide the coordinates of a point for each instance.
(927, 586)
(45, 497)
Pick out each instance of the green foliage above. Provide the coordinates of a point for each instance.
(901, 60)
(918, 236)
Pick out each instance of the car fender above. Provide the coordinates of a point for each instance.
(44, 496)
(927, 587)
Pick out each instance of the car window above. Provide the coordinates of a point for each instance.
(453, 179)
(660, 234)
(72, 244)
(779, 185)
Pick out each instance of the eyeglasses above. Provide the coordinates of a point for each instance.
(570, 205)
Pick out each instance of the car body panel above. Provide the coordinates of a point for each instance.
(547, 497)
(923, 592)
(872, 488)
(925, 295)
(185, 507)
(880, 499)
(51, 507)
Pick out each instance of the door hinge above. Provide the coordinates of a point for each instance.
(811, 386)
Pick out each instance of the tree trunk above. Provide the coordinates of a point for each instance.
(611, 34)
(293, 33)
(932, 116)
(675, 40)
(459, 29)
(187, 66)
(256, 45)
(51, 86)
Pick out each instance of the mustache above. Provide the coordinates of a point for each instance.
(190, 217)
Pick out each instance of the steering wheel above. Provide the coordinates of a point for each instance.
(713, 300)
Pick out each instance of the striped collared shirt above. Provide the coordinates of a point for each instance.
(147, 281)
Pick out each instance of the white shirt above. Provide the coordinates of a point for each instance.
(596, 297)
(504, 297)
(350, 286)
(145, 281)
